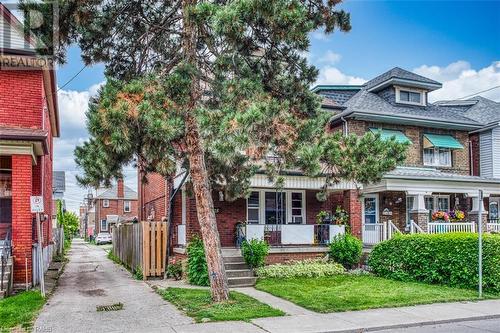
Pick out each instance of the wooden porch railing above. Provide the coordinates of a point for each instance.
(444, 227)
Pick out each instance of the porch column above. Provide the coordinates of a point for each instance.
(352, 205)
(419, 214)
(474, 213)
(22, 218)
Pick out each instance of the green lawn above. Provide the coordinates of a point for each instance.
(358, 292)
(20, 310)
(197, 304)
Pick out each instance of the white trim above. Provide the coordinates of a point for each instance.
(7, 148)
(436, 152)
(101, 229)
(299, 182)
(377, 217)
(183, 206)
(422, 93)
(105, 203)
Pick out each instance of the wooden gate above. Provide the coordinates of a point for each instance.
(154, 240)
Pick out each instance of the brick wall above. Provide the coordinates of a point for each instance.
(115, 208)
(395, 202)
(21, 216)
(475, 158)
(414, 157)
(153, 194)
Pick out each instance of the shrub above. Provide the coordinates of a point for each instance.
(255, 252)
(346, 250)
(450, 259)
(174, 270)
(197, 271)
(138, 273)
(305, 268)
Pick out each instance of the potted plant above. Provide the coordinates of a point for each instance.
(340, 220)
(323, 217)
(441, 216)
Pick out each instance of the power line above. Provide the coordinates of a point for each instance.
(72, 78)
(480, 92)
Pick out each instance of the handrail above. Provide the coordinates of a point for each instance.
(415, 228)
(392, 229)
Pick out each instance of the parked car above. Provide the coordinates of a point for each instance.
(103, 238)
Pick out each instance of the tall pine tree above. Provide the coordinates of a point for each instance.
(222, 86)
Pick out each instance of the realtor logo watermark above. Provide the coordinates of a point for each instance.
(28, 35)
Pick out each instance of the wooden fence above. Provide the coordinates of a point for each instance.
(141, 245)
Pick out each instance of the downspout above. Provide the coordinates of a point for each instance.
(169, 219)
(345, 129)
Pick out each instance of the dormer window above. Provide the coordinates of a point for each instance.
(410, 96)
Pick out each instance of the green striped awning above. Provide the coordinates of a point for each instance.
(386, 134)
(441, 141)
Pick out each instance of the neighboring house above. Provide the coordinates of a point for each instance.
(115, 204)
(87, 215)
(28, 123)
(58, 188)
(436, 175)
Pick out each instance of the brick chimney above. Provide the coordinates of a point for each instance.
(120, 188)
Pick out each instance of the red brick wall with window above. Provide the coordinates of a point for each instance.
(115, 208)
(475, 157)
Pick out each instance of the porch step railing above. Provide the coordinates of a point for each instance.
(415, 228)
(444, 227)
(292, 234)
(493, 226)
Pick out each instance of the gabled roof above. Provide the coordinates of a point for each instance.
(112, 193)
(401, 76)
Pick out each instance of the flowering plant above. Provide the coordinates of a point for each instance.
(456, 215)
(440, 215)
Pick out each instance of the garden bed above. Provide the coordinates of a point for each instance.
(358, 292)
(197, 304)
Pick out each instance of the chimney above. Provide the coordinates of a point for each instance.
(120, 188)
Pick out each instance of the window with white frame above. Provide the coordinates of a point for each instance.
(270, 207)
(437, 203)
(410, 96)
(105, 203)
(126, 206)
(104, 225)
(253, 204)
(437, 157)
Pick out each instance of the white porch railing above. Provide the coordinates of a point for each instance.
(415, 228)
(444, 227)
(392, 230)
(373, 233)
(181, 234)
(293, 234)
(493, 227)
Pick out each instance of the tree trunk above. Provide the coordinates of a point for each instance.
(198, 171)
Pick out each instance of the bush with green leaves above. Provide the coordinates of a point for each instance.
(197, 271)
(450, 259)
(305, 268)
(255, 252)
(346, 250)
(174, 270)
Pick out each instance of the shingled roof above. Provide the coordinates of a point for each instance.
(399, 73)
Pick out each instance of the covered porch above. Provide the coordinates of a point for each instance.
(410, 200)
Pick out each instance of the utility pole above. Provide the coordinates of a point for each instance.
(480, 241)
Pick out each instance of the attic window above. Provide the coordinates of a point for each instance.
(410, 96)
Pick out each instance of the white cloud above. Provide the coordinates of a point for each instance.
(72, 108)
(459, 79)
(330, 58)
(332, 75)
(319, 35)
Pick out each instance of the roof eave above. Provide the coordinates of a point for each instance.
(487, 127)
(321, 87)
(405, 82)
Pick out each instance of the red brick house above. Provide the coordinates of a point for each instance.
(438, 174)
(28, 123)
(115, 204)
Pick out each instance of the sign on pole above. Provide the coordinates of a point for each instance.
(36, 204)
(480, 241)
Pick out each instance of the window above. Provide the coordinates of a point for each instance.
(253, 208)
(410, 96)
(410, 203)
(493, 210)
(437, 202)
(270, 207)
(126, 206)
(297, 208)
(437, 157)
(105, 203)
(104, 225)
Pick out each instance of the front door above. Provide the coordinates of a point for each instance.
(372, 230)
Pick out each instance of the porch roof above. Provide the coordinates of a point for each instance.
(300, 182)
(418, 180)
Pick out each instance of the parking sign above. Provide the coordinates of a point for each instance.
(36, 204)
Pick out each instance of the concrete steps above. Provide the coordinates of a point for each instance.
(238, 272)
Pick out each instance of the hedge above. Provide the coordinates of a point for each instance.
(306, 268)
(450, 259)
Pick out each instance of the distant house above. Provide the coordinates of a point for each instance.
(113, 205)
(58, 188)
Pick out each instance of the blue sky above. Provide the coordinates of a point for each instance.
(454, 42)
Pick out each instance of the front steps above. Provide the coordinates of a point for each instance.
(238, 272)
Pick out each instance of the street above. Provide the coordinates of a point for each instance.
(90, 280)
(479, 326)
